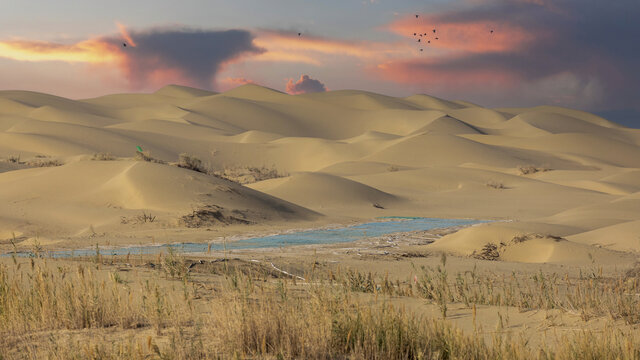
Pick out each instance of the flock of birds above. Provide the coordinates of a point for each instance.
(423, 36)
(420, 36)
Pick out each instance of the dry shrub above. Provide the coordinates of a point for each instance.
(101, 156)
(191, 162)
(146, 156)
(495, 185)
(138, 219)
(531, 169)
(249, 174)
(44, 163)
(488, 252)
(210, 215)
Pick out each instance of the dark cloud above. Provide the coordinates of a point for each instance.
(590, 43)
(305, 85)
(187, 55)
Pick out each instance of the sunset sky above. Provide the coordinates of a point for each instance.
(576, 53)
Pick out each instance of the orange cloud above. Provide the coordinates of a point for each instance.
(157, 58)
(229, 83)
(125, 35)
(237, 81)
(89, 51)
(305, 85)
(313, 50)
(469, 36)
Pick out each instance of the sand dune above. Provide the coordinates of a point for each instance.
(101, 194)
(339, 153)
(324, 192)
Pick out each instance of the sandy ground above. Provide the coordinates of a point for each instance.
(567, 182)
(562, 185)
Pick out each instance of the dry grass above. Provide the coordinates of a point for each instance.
(44, 163)
(37, 161)
(138, 219)
(191, 162)
(250, 314)
(146, 156)
(13, 159)
(495, 185)
(249, 174)
(101, 156)
(531, 169)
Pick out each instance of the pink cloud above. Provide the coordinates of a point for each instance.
(467, 36)
(304, 85)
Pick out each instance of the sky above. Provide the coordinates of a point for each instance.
(575, 53)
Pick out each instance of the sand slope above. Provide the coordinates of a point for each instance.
(336, 155)
(108, 195)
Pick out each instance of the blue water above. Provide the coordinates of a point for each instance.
(386, 225)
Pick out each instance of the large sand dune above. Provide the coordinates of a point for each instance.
(337, 156)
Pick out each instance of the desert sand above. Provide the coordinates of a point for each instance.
(559, 190)
(545, 170)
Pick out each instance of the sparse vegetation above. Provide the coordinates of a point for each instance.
(138, 219)
(489, 252)
(252, 314)
(146, 156)
(211, 215)
(249, 174)
(37, 161)
(495, 185)
(191, 162)
(277, 318)
(44, 163)
(531, 169)
(101, 156)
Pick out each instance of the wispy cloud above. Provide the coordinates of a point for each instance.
(315, 50)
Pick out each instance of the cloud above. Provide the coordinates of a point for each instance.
(229, 83)
(152, 57)
(314, 50)
(472, 35)
(125, 35)
(305, 85)
(89, 51)
(194, 56)
(582, 52)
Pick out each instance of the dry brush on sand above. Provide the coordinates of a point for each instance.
(183, 309)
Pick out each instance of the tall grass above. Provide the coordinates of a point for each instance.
(249, 313)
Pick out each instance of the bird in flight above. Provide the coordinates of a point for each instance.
(417, 16)
(299, 34)
(492, 31)
(124, 44)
